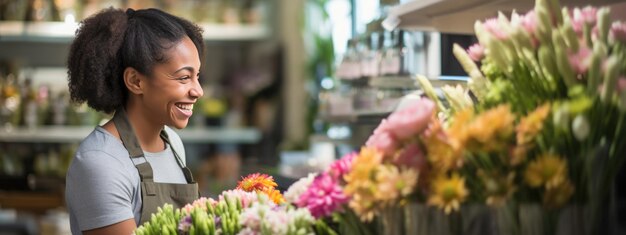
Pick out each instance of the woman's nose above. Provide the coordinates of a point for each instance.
(196, 91)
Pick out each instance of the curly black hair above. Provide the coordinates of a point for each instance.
(112, 40)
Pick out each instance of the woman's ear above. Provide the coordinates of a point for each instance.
(133, 81)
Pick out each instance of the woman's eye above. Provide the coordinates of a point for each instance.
(183, 78)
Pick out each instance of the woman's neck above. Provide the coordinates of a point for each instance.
(146, 132)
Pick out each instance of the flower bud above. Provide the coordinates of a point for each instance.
(621, 103)
(580, 127)
(546, 59)
(544, 26)
(611, 70)
(569, 35)
(594, 77)
(561, 117)
(562, 61)
(604, 23)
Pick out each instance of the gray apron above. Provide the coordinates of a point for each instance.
(153, 194)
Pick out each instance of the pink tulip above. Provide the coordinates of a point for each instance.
(621, 84)
(618, 32)
(587, 15)
(412, 120)
(476, 52)
(493, 27)
(529, 22)
(581, 60)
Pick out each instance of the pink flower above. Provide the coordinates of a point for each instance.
(581, 60)
(382, 127)
(621, 84)
(246, 198)
(324, 197)
(529, 22)
(618, 32)
(493, 27)
(342, 166)
(476, 52)
(411, 120)
(412, 156)
(384, 142)
(587, 15)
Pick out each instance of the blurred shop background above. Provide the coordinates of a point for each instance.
(289, 86)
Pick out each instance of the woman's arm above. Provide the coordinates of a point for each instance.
(124, 227)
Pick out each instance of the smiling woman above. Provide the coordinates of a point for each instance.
(143, 66)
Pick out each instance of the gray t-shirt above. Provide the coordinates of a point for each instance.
(103, 185)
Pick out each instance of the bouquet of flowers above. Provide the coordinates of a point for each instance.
(254, 207)
(541, 122)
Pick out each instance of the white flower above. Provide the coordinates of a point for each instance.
(580, 127)
(298, 188)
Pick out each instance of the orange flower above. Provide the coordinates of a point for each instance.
(532, 124)
(256, 182)
(491, 130)
(275, 196)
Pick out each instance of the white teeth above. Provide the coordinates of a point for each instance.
(185, 106)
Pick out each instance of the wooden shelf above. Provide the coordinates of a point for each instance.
(61, 32)
(458, 16)
(74, 134)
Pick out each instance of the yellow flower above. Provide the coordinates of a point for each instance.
(256, 182)
(360, 182)
(363, 165)
(498, 189)
(363, 204)
(518, 154)
(547, 170)
(443, 150)
(556, 197)
(448, 193)
(442, 153)
(491, 130)
(458, 130)
(532, 124)
(393, 183)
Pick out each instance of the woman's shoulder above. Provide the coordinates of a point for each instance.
(100, 145)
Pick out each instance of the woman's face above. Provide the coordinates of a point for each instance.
(174, 87)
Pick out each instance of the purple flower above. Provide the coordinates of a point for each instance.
(476, 52)
(185, 224)
(324, 197)
(342, 166)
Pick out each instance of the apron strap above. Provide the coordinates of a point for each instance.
(127, 134)
(186, 171)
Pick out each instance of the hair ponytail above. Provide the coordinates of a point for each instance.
(94, 66)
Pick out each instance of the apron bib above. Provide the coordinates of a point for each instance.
(153, 194)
